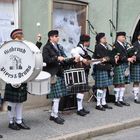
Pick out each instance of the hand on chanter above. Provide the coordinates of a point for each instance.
(132, 59)
(60, 58)
(77, 59)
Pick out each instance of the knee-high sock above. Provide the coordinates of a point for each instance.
(55, 107)
(103, 100)
(99, 96)
(19, 108)
(122, 90)
(80, 97)
(117, 94)
(136, 92)
(11, 111)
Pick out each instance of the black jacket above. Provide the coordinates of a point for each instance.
(38, 44)
(100, 52)
(50, 55)
(137, 51)
(122, 51)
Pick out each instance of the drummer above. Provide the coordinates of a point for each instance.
(55, 58)
(16, 95)
(81, 51)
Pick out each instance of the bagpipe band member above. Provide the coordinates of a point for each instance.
(121, 69)
(103, 77)
(55, 58)
(16, 95)
(81, 51)
(39, 43)
(135, 68)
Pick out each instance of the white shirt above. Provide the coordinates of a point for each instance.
(104, 45)
(120, 43)
(77, 51)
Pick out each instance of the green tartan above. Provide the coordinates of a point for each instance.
(15, 95)
(58, 89)
(135, 72)
(119, 76)
(102, 79)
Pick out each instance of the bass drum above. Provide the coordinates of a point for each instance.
(21, 61)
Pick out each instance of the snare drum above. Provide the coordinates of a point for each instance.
(21, 61)
(41, 84)
(75, 80)
(74, 77)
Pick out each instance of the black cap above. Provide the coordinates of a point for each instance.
(99, 36)
(120, 34)
(15, 32)
(84, 38)
(53, 32)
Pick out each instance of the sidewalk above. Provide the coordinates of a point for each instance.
(75, 127)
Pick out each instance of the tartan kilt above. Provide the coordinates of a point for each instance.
(119, 74)
(102, 79)
(78, 88)
(58, 89)
(135, 72)
(15, 95)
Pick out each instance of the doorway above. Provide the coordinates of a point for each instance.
(137, 29)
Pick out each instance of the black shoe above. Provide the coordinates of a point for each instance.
(124, 103)
(14, 126)
(81, 113)
(58, 120)
(23, 126)
(118, 104)
(53, 118)
(61, 118)
(1, 136)
(99, 107)
(136, 101)
(86, 111)
(107, 106)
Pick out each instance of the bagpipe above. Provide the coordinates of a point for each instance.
(131, 50)
(22, 62)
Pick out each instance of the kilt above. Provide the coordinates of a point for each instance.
(58, 89)
(78, 88)
(119, 74)
(15, 95)
(135, 72)
(102, 79)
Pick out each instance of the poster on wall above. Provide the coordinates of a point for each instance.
(65, 21)
(7, 19)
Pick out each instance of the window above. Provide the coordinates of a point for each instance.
(8, 18)
(69, 18)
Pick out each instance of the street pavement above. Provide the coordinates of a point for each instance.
(127, 134)
(44, 129)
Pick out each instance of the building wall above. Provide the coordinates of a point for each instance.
(33, 12)
(101, 11)
(99, 14)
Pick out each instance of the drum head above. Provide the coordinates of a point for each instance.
(43, 75)
(17, 62)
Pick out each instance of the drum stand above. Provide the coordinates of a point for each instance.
(93, 95)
